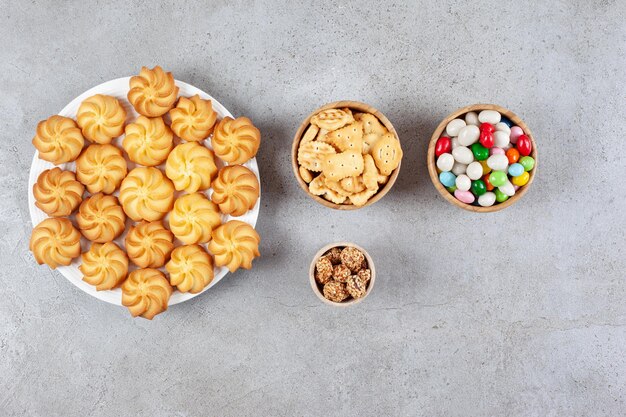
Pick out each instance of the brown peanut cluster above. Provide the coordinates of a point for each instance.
(342, 273)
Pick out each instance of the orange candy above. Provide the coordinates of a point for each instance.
(487, 183)
(513, 155)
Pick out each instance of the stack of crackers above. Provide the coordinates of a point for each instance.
(345, 157)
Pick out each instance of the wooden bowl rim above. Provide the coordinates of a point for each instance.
(353, 301)
(353, 105)
(432, 167)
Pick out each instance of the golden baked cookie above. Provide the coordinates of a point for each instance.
(146, 194)
(236, 141)
(191, 167)
(193, 119)
(152, 92)
(149, 244)
(193, 218)
(190, 269)
(146, 293)
(101, 168)
(235, 244)
(58, 140)
(101, 118)
(104, 265)
(57, 193)
(55, 242)
(235, 190)
(100, 218)
(148, 141)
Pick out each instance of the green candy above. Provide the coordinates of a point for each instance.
(451, 189)
(500, 196)
(527, 162)
(479, 187)
(480, 152)
(497, 178)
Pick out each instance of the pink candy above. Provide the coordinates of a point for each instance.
(516, 132)
(496, 151)
(464, 196)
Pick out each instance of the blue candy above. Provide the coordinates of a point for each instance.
(448, 179)
(515, 170)
(506, 121)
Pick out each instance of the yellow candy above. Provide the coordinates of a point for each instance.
(486, 169)
(521, 180)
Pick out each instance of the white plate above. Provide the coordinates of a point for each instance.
(119, 88)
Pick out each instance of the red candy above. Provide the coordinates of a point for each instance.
(524, 145)
(487, 127)
(486, 135)
(443, 145)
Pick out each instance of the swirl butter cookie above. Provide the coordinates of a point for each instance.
(104, 265)
(100, 218)
(101, 168)
(190, 268)
(193, 119)
(149, 244)
(191, 167)
(146, 194)
(57, 192)
(153, 92)
(55, 242)
(101, 118)
(148, 141)
(236, 140)
(235, 190)
(58, 140)
(235, 244)
(193, 218)
(146, 293)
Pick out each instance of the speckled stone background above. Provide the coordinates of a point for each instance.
(519, 313)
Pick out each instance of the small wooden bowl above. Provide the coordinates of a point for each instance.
(359, 107)
(432, 163)
(351, 301)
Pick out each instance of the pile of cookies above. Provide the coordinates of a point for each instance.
(345, 157)
(164, 194)
(341, 273)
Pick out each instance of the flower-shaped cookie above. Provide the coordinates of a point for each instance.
(101, 168)
(152, 92)
(193, 119)
(146, 194)
(58, 140)
(100, 218)
(190, 269)
(235, 244)
(146, 293)
(101, 118)
(235, 190)
(105, 265)
(55, 242)
(149, 244)
(191, 167)
(148, 141)
(193, 218)
(57, 192)
(236, 141)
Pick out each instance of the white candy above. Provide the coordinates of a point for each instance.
(503, 127)
(469, 135)
(497, 162)
(463, 182)
(445, 162)
(454, 126)
(489, 116)
(487, 199)
(471, 118)
(501, 139)
(507, 189)
(474, 170)
(455, 143)
(458, 169)
(463, 155)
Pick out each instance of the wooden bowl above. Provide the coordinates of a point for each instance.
(432, 166)
(356, 106)
(318, 291)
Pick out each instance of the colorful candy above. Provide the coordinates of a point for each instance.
(513, 155)
(515, 169)
(443, 145)
(497, 178)
(521, 179)
(516, 132)
(486, 135)
(447, 178)
(480, 152)
(524, 146)
(464, 196)
(478, 187)
(527, 162)
(500, 196)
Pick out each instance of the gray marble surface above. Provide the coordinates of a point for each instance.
(519, 313)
